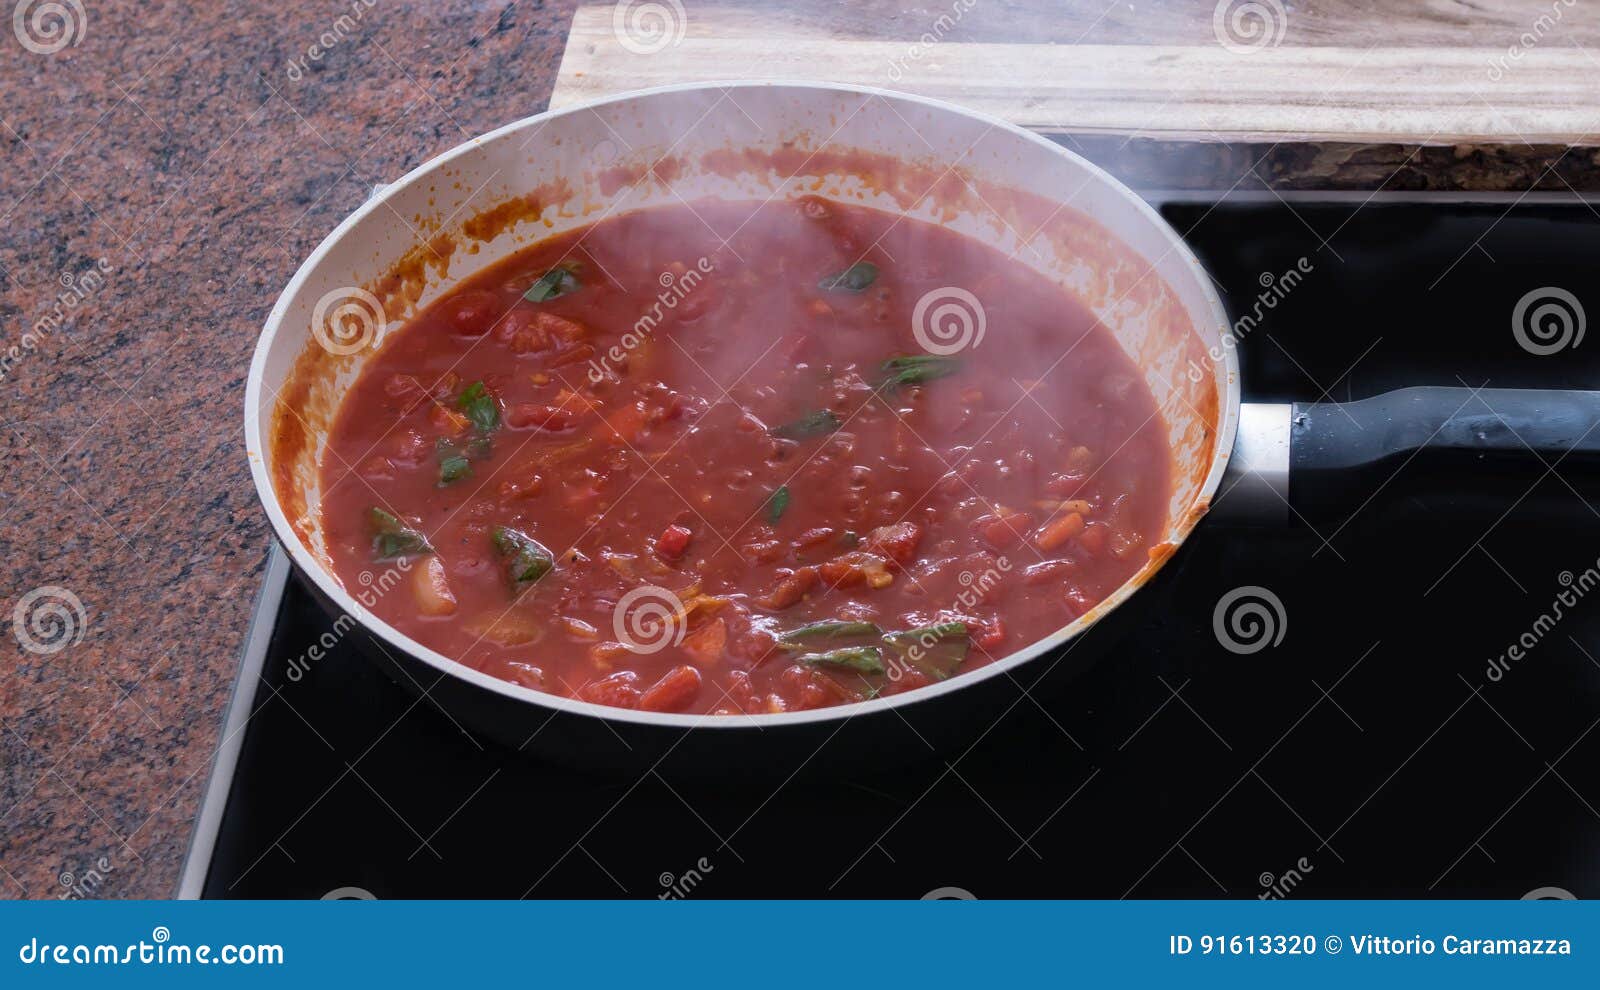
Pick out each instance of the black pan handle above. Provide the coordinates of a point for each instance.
(1469, 446)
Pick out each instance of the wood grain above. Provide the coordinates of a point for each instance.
(1442, 96)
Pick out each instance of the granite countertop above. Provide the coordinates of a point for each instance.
(166, 174)
(164, 178)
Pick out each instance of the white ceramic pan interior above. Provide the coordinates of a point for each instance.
(471, 206)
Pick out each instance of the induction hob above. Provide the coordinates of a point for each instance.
(1369, 753)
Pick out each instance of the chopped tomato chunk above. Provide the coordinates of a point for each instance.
(1059, 531)
(617, 690)
(790, 588)
(1006, 529)
(524, 415)
(474, 312)
(898, 542)
(673, 692)
(672, 542)
(432, 589)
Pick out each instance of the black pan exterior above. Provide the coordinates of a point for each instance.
(942, 724)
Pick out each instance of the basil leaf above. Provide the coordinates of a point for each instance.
(558, 281)
(853, 279)
(917, 369)
(527, 559)
(393, 539)
(453, 468)
(862, 659)
(794, 638)
(778, 504)
(936, 650)
(479, 406)
(810, 425)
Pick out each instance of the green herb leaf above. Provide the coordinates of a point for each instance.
(936, 650)
(810, 425)
(777, 504)
(862, 659)
(917, 368)
(795, 639)
(558, 281)
(453, 468)
(527, 559)
(393, 539)
(479, 406)
(853, 279)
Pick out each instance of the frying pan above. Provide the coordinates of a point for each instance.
(1043, 205)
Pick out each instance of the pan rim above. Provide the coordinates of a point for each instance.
(329, 585)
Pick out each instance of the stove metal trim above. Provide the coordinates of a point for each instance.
(208, 824)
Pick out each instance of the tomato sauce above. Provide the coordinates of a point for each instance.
(840, 456)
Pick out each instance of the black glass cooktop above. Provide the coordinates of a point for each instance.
(1386, 746)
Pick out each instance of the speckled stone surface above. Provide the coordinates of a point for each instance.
(177, 147)
(165, 173)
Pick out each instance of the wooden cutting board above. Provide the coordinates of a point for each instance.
(1216, 100)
